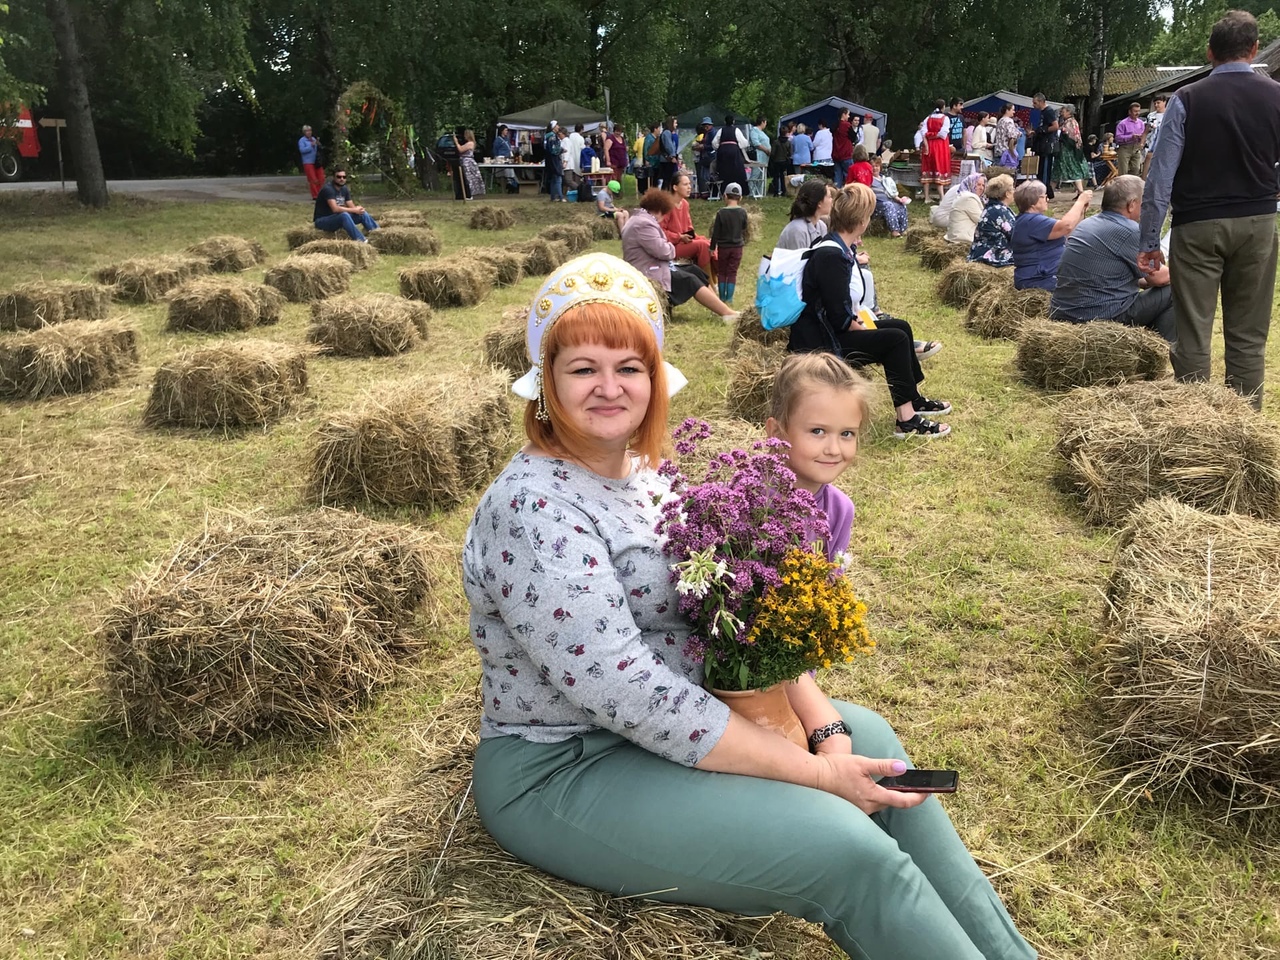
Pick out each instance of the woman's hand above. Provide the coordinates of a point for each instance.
(851, 777)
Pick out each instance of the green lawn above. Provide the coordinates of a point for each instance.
(982, 582)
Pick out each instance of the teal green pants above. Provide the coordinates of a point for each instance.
(599, 811)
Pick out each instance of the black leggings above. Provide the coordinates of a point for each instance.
(892, 345)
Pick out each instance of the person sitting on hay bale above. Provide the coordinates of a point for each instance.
(605, 204)
(598, 748)
(336, 211)
(995, 227)
(1099, 279)
(677, 225)
(809, 210)
(966, 211)
(890, 207)
(1037, 239)
(646, 247)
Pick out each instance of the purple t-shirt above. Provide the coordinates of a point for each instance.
(1035, 256)
(839, 510)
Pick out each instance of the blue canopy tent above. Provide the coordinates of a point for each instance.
(1028, 117)
(829, 110)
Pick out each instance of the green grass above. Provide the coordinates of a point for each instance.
(982, 582)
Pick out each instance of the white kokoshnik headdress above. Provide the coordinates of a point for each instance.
(590, 278)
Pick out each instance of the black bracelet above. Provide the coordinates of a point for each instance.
(830, 730)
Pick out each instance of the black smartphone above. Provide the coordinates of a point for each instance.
(923, 781)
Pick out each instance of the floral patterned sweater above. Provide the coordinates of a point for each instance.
(574, 614)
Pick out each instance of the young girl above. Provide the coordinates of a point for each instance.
(728, 235)
(1009, 158)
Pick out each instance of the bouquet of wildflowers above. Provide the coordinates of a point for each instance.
(765, 602)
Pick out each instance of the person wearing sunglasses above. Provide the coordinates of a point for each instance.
(336, 211)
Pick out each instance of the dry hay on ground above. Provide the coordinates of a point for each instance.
(508, 265)
(755, 224)
(448, 282)
(297, 236)
(1200, 444)
(726, 435)
(426, 441)
(577, 235)
(405, 241)
(370, 325)
(1056, 355)
(914, 239)
(962, 281)
(245, 383)
(229, 254)
(602, 228)
(505, 346)
(491, 218)
(37, 304)
(751, 374)
(214, 306)
(147, 279)
(748, 330)
(313, 277)
(70, 358)
(1189, 672)
(997, 311)
(360, 255)
(402, 218)
(877, 228)
(431, 882)
(262, 623)
(541, 255)
(936, 254)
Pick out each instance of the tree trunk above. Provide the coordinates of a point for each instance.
(91, 182)
(1097, 71)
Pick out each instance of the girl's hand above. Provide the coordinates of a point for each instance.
(851, 777)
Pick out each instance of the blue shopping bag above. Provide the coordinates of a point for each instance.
(778, 288)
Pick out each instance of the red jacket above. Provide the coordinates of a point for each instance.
(841, 145)
(861, 173)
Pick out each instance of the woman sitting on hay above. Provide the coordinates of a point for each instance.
(602, 759)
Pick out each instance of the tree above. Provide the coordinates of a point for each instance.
(91, 182)
(1184, 40)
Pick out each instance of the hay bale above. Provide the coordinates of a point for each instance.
(998, 311)
(248, 383)
(749, 330)
(430, 882)
(602, 228)
(297, 236)
(914, 239)
(147, 279)
(1058, 356)
(936, 254)
(541, 255)
(751, 375)
(229, 254)
(447, 282)
(70, 358)
(726, 435)
(214, 306)
(37, 304)
(877, 228)
(360, 255)
(373, 325)
(405, 241)
(508, 265)
(415, 442)
(505, 346)
(755, 224)
(491, 218)
(576, 235)
(313, 277)
(962, 280)
(402, 218)
(1189, 672)
(259, 624)
(1200, 444)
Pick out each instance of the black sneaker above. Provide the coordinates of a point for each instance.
(918, 426)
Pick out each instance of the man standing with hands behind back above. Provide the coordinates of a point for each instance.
(1215, 164)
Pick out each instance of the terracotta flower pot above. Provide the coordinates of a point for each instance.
(769, 708)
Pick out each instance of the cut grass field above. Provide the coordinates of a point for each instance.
(983, 588)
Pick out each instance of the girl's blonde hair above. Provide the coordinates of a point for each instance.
(805, 371)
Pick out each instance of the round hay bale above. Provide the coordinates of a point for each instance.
(248, 383)
(508, 265)
(361, 256)
(541, 256)
(373, 325)
(258, 624)
(751, 375)
(602, 228)
(961, 281)
(998, 311)
(505, 347)
(215, 306)
(491, 218)
(37, 304)
(297, 236)
(749, 330)
(1056, 355)
(229, 254)
(447, 282)
(936, 254)
(577, 235)
(914, 239)
(405, 241)
(70, 358)
(397, 217)
(1188, 672)
(147, 279)
(1200, 444)
(313, 277)
(415, 442)
(430, 881)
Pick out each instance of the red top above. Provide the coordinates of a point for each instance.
(677, 223)
(841, 145)
(861, 172)
(937, 127)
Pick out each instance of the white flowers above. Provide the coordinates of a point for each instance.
(699, 575)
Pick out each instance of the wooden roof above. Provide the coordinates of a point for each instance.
(1119, 81)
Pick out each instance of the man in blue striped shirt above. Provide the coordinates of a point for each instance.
(1098, 277)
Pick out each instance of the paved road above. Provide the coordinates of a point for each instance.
(290, 188)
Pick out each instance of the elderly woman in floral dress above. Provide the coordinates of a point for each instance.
(995, 226)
